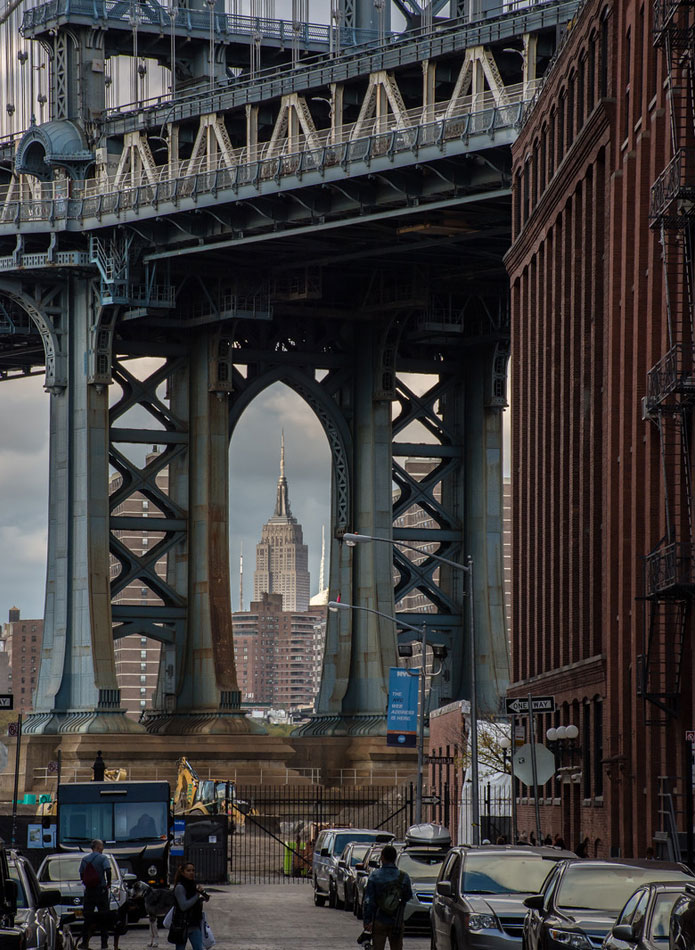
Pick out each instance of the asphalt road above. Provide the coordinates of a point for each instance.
(269, 917)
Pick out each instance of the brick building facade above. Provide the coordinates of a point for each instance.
(20, 654)
(588, 324)
(278, 653)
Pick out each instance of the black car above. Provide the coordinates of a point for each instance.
(349, 866)
(36, 915)
(644, 923)
(581, 900)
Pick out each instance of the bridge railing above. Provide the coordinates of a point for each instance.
(33, 201)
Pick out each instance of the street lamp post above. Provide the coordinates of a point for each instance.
(439, 652)
(351, 539)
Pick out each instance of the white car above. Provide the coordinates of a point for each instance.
(62, 871)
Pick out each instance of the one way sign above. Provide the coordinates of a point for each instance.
(6, 701)
(539, 704)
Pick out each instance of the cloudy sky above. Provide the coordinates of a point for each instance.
(254, 470)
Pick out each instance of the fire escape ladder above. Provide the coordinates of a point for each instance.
(667, 838)
(661, 663)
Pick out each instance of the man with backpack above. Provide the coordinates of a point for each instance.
(95, 874)
(388, 891)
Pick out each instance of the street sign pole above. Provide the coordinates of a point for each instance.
(534, 768)
(16, 782)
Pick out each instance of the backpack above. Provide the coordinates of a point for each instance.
(90, 875)
(389, 898)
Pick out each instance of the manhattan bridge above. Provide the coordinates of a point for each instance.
(243, 200)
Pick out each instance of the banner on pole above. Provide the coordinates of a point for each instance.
(401, 721)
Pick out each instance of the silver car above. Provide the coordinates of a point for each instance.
(63, 872)
(479, 896)
(330, 844)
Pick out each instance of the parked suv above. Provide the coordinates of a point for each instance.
(479, 896)
(329, 846)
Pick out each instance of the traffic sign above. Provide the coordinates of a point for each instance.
(523, 767)
(431, 800)
(539, 704)
(6, 701)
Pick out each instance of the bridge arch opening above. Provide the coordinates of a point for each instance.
(280, 501)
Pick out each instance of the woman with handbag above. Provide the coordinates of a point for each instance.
(187, 923)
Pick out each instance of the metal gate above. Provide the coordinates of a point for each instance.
(275, 842)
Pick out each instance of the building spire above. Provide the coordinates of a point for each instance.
(282, 502)
(323, 558)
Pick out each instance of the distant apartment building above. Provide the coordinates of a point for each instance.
(414, 601)
(278, 653)
(20, 654)
(137, 657)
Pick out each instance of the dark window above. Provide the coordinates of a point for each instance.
(570, 110)
(603, 63)
(591, 86)
(586, 749)
(598, 748)
(580, 92)
(561, 128)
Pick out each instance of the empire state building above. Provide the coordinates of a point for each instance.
(282, 558)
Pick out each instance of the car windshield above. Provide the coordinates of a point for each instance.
(346, 837)
(358, 853)
(66, 867)
(21, 893)
(505, 873)
(421, 867)
(113, 821)
(607, 887)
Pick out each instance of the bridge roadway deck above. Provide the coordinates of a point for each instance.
(453, 37)
(96, 204)
(154, 25)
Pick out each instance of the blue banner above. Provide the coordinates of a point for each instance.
(401, 721)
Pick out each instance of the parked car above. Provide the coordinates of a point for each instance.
(644, 923)
(682, 924)
(422, 863)
(369, 863)
(36, 914)
(330, 844)
(580, 900)
(346, 873)
(63, 871)
(479, 895)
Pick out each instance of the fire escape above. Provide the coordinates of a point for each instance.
(670, 569)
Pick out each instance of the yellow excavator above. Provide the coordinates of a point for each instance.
(208, 796)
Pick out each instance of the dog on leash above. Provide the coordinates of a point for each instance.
(158, 902)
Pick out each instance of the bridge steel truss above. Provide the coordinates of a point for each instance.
(348, 244)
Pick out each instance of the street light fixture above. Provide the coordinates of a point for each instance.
(352, 539)
(405, 650)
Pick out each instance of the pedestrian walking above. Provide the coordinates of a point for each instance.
(188, 919)
(388, 891)
(95, 874)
